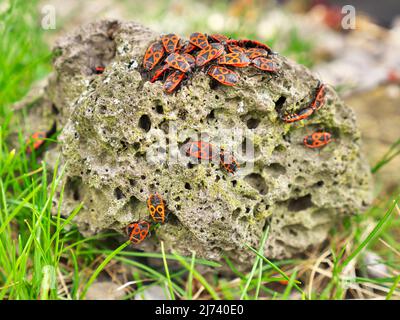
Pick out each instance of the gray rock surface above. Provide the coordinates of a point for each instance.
(112, 122)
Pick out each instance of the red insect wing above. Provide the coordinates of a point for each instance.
(319, 98)
(37, 139)
(190, 59)
(254, 44)
(317, 139)
(200, 150)
(177, 61)
(208, 54)
(303, 114)
(173, 80)
(228, 162)
(188, 48)
(223, 75)
(235, 59)
(199, 40)
(159, 72)
(253, 53)
(99, 70)
(153, 55)
(156, 206)
(170, 42)
(232, 48)
(219, 37)
(233, 42)
(265, 64)
(138, 231)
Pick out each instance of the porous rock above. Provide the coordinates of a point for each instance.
(113, 122)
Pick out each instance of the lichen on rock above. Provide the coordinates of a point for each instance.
(112, 124)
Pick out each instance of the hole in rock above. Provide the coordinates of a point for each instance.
(211, 115)
(136, 145)
(182, 114)
(102, 109)
(300, 204)
(253, 123)
(188, 186)
(191, 165)
(145, 123)
(300, 179)
(118, 193)
(172, 219)
(164, 126)
(159, 109)
(236, 212)
(134, 202)
(124, 144)
(279, 103)
(54, 109)
(280, 148)
(256, 181)
(73, 184)
(277, 169)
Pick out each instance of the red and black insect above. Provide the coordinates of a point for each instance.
(210, 53)
(237, 49)
(173, 81)
(199, 40)
(293, 117)
(177, 61)
(170, 42)
(200, 150)
(156, 206)
(161, 70)
(188, 48)
(223, 75)
(36, 140)
(218, 38)
(265, 64)
(99, 70)
(234, 59)
(153, 55)
(253, 53)
(138, 231)
(247, 43)
(319, 99)
(228, 162)
(317, 139)
(233, 42)
(190, 59)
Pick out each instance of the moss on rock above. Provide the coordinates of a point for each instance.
(114, 121)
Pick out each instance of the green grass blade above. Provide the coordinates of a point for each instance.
(370, 236)
(102, 266)
(198, 276)
(255, 264)
(171, 289)
(190, 277)
(393, 288)
(276, 268)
